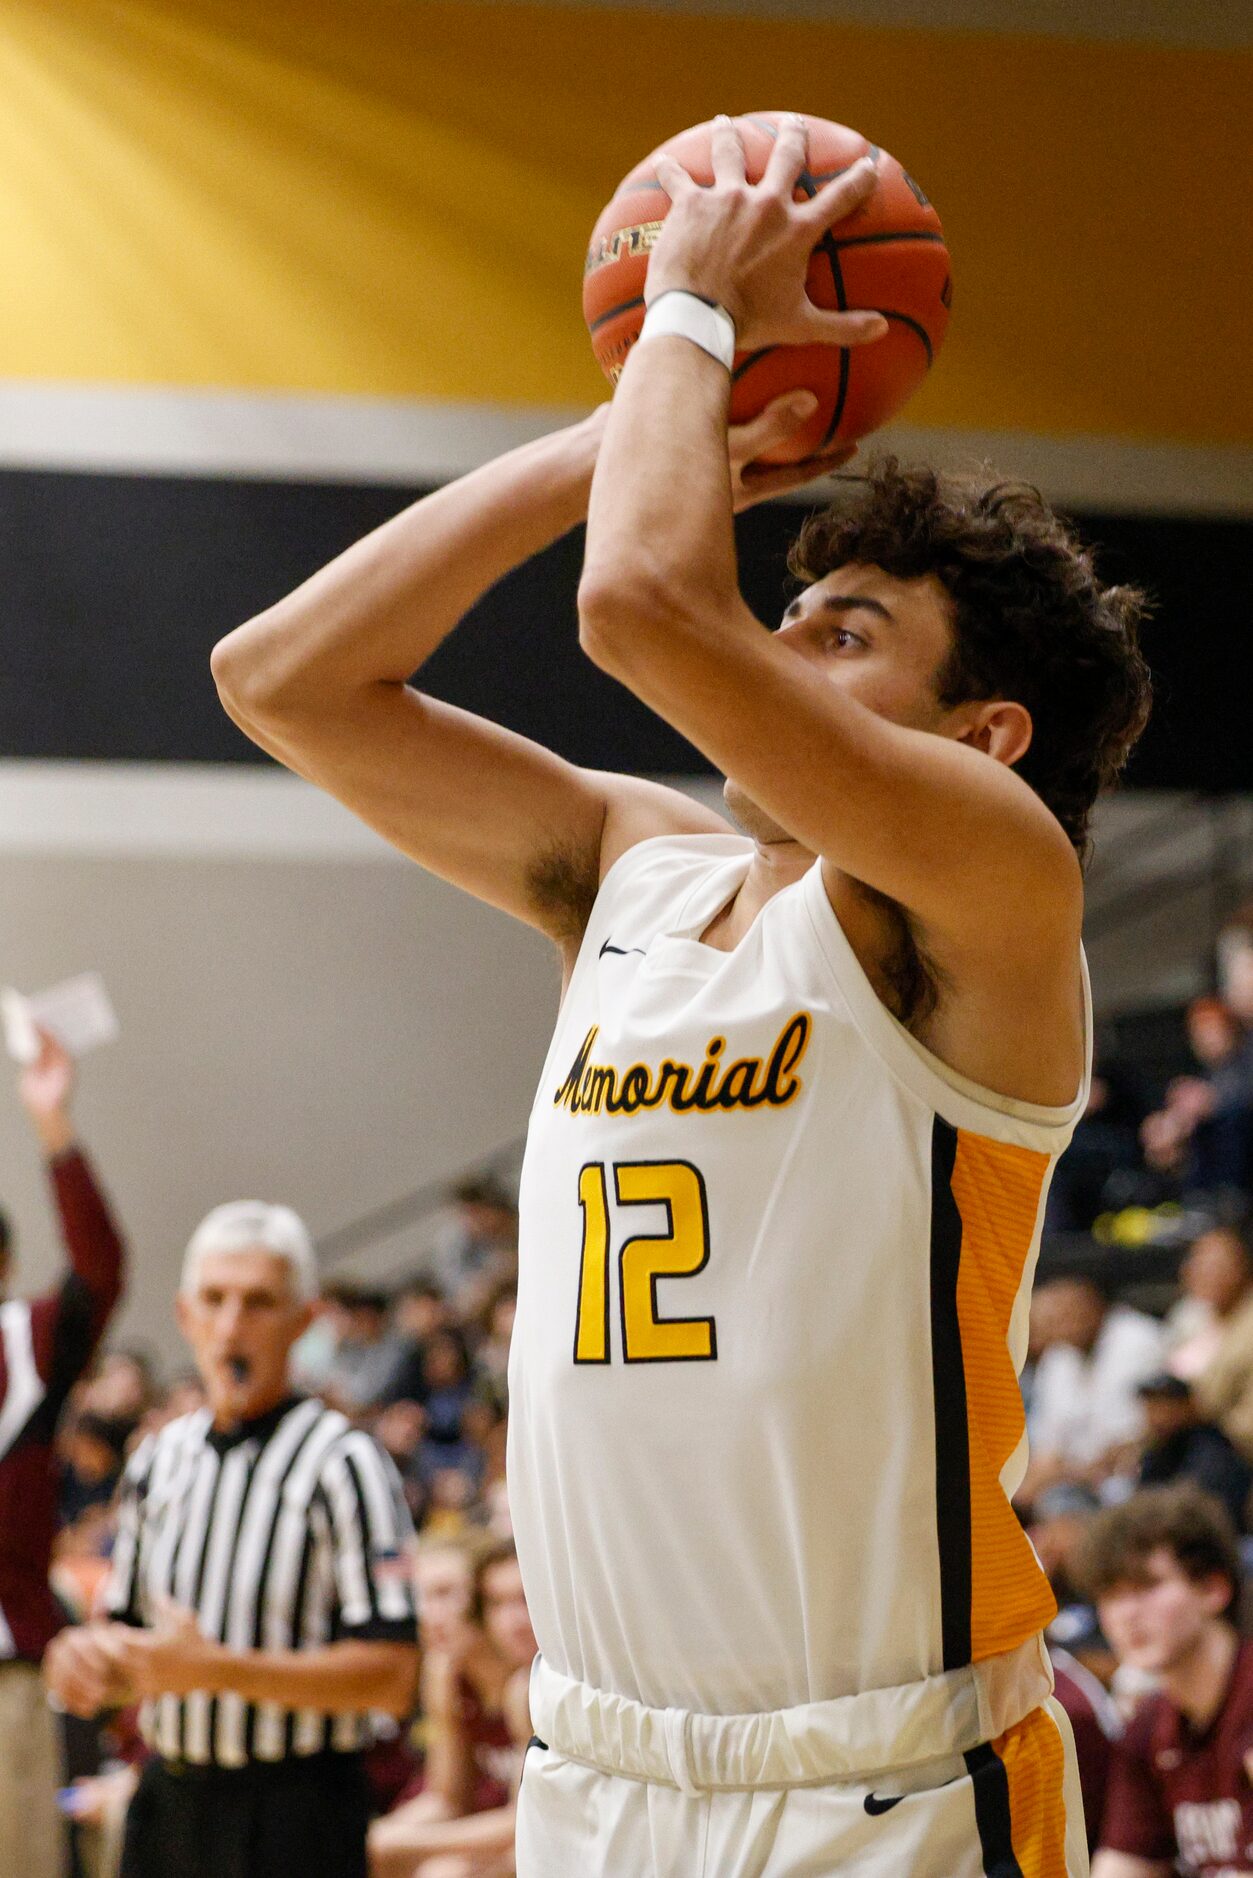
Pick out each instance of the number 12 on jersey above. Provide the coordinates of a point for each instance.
(680, 1251)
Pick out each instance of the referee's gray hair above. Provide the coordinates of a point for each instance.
(245, 1226)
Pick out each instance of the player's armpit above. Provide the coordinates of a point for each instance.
(482, 807)
(470, 801)
(1126, 1865)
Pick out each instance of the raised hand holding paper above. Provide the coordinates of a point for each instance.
(77, 1011)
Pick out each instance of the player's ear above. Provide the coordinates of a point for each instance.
(1001, 728)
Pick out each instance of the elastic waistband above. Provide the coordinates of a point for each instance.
(853, 1738)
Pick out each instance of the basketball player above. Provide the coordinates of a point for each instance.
(791, 1143)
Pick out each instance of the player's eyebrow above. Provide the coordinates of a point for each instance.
(842, 603)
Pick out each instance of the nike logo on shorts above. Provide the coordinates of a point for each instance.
(622, 951)
(874, 1805)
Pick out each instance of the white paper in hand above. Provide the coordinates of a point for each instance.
(77, 1012)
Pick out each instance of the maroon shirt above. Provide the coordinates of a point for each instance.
(1175, 1794)
(45, 1345)
(1096, 1726)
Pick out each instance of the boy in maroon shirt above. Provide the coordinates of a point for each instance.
(45, 1345)
(1165, 1572)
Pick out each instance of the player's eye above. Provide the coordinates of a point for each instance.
(843, 637)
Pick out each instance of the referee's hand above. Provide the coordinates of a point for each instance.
(82, 1672)
(173, 1658)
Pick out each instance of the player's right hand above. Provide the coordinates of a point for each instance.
(746, 246)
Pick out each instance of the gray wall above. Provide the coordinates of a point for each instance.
(331, 1031)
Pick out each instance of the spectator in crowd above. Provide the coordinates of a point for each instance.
(1182, 1446)
(1203, 1132)
(1059, 1519)
(184, 1395)
(1215, 1309)
(1096, 1726)
(45, 1345)
(1224, 1383)
(478, 1247)
(420, 1311)
(1104, 1152)
(1165, 1573)
(492, 1355)
(1235, 972)
(475, 1695)
(368, 1354)
(449, 1386)
(91, 1449)
(259, 1604)
(1086, 1417)
(398, 1429)
(313, 1353)
(119, 1389)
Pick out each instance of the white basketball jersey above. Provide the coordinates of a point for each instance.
(775, 1267)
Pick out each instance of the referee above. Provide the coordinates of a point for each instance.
(260, 1599)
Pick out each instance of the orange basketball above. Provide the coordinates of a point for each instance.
(889, 255)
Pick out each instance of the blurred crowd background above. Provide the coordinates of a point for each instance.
(1139, 1373)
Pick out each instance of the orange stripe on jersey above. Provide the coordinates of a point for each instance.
(997, 1189)
(1034, 1759)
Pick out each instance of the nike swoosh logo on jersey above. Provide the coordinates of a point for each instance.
(622, 951)
(874, 1805)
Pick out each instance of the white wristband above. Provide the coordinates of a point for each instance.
(686, 316)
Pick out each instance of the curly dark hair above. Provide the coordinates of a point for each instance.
(1180, 1519)
(1032, 621)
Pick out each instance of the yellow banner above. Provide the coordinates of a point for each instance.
(375, 196)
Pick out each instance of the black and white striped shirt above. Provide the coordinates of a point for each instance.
(288, 1534)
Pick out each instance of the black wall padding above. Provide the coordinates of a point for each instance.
(114, 588)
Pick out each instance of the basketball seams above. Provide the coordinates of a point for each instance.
(624, 306)
(912, 325)
(897, 237)
(889, 234)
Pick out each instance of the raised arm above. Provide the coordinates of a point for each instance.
(320, 681)
(926, 820)
(67, 1325)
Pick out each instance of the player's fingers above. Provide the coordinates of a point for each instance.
(841, 195)
(759, 481)
(839, 329)
(672, 176)
(781, 418)
(787, 157)
(727, 150)
(781, 476)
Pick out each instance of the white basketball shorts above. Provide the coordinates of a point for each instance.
(618, 1790)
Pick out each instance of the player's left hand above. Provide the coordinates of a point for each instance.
(747, 245)
(173, 1658)
(753, 481)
